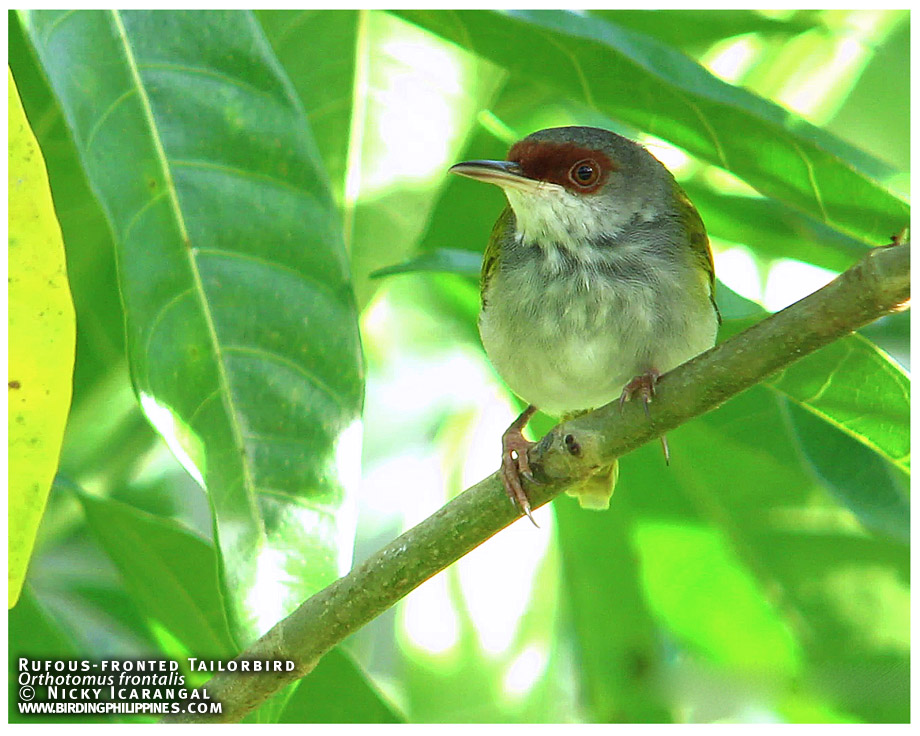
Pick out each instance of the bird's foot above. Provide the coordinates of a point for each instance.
(515, 463)
(644, 386)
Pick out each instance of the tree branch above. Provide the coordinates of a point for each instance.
(879, 283)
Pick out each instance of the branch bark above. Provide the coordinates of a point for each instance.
(879, 283)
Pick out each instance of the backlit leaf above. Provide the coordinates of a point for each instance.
(41, 341)
(241, 323)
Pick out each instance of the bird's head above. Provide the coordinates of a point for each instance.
(571, 186)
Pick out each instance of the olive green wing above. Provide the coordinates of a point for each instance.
(501, 231)
(699, 242)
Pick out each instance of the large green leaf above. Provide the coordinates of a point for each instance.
(708, 597)
(852, 385)
(857, 388)
(637, 79)
(34, 633)
(89, 250)
(772, 229)
(851, 597)
(41, 340)
(170, 573)
(870, 487)
(84, 592)
(241, 323)
(619, 661)
(698, 28)
(851, 422)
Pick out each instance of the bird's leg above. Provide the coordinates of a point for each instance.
(644, 386)
(515, 463)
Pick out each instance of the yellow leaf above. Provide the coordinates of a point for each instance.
(41, 341)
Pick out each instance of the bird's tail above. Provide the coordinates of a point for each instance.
(595, 492)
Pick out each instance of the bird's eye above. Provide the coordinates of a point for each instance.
(585, 173)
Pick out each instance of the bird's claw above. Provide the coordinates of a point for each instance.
(516, 465)
(644, 386)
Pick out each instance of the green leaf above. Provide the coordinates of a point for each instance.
(638, 80)
(772, 229)
(696, 583)
(700, 28)
(444, 260)
(859, 390)
(84, 593)
(41, 341)
(851, 384)
(317, 50)
(90, 252)
(853, 594)
(615, 632)
(850, 413)
(876, 492)
(35, 635)
(170, 573)
(241, 325)
(891, 334)
(735, 309)
(337, 691)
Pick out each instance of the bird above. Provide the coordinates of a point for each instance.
(597, 279)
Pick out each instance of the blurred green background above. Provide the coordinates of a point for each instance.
(763, 576)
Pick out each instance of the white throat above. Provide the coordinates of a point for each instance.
(552, 216)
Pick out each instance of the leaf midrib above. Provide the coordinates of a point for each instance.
(226, 395)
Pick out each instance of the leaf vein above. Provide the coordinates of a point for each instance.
(137, 215)
(319, 285)
(53, 25)
(270, 355)
(811, 179)
(161, 312)
(104, 116)
(207, 399)
(212, 73)
(242, 174)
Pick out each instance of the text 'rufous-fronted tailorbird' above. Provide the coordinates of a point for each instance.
(597, 279)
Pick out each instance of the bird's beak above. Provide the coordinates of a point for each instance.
(503, 173)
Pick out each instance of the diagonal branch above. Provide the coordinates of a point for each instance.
(879, 283)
